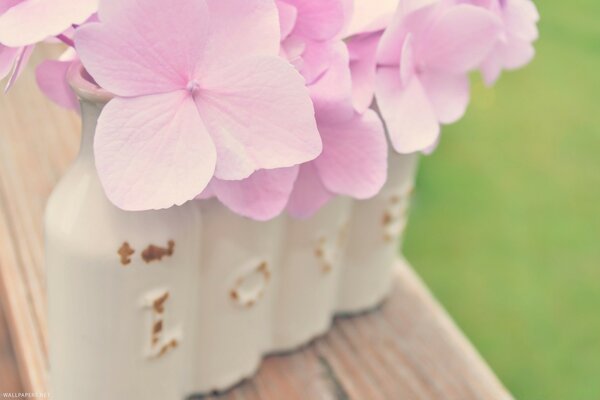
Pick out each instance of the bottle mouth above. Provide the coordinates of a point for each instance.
(84, 86)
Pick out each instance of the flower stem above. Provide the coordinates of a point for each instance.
(66, 40)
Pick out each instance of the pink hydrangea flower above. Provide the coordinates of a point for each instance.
(12, 62)
(26, 22)
(354, 158)
(353, 163)
(262, 196)
(309, 31)
(209, 97)
(23, 23)
(51, 77)
(371, 16)
(514, 47)
(417, 69)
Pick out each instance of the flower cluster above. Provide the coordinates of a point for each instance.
(267, 105)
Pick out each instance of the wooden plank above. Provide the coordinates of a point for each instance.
(10, 381)
(408, 349)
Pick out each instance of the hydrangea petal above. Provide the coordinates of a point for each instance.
(448, 94)
(309, 193)
(262, 106)
(7, 60)
(22, 57)
(316, 60)
(52, 81)
(319, 20)
(288, 15)
(32, 21)
(240, 29)
(411, 17)
(459, 40)
(262, 196)
(354, 159)
(363, 66)
(407, 60)
(516, 53)
(332, 93)
(371, 16)
(491, 68)
(410, 119)
(152, 48)
(7, 4)
(520, 17)
(153, 152)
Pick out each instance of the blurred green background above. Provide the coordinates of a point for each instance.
(506, 223)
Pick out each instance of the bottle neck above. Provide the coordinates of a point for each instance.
(90, 112)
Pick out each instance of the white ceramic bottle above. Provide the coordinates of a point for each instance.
(373, 245)
(120, 284)
(235, 296)
(308, 277)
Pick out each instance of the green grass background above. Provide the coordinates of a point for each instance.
(506, 223)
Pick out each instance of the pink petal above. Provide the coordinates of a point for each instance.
(309, 193)
(292, 49)
(407, 60)
(153, 152)
(363, 49)
(260, 116)
(7, 60)
(7, 4)
(262, 196)
(407, 7)
(207, 193)
(516, 53)
(527, 8)
(143, 47)
(332, 93)
(409, 116)
(240, 29)
(520, 17)
(371, 16)
(411, 17)
(491, 68)
(319, 20)
(510, 55)
(316, 59)
(287, 18)
(32, 21)
(448, 94)
(354, 159)
(51, 77)
(23, 55)
(459, 40)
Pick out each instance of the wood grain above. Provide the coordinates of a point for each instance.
(10, 381)
(409, 349)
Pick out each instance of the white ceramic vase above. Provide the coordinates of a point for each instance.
(165, 304)
(238, 269)
(376, 228)
(309, 273)
(120, 284)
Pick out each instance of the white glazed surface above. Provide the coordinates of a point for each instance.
(102, 313)
(308, 275)
(236, 293)
(376, 228)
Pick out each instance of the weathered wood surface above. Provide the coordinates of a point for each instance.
(10, 381)
(409, 349)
